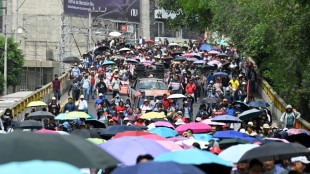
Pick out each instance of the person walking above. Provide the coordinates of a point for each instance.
(53, 105)
(116, 85)
(81, 104)
(86, 85)
(75, 87)
(56, 83)
(92, 85)
(289, 117)
(7, 119)
(102, 87)
(70, 106)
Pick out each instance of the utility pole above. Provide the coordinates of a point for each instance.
(5, 53)
(16, 22)
(90, 26)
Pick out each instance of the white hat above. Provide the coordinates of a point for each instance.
(53, 98)
(243, 83)
(126, 118)
(242, 130)
(100, 94)
(179, 122)
(198, 119)
(211, 81)
(250, 123)
(82, 96)
(289, 107)
(302, 159)
(266, 126)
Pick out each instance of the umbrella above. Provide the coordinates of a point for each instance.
(176, 96)
(209, 100)
(130, 43)
(297, 131)
(131, 133)
(69, 149)
(204, 137)
(226, 119)
(152, 115)
(29, 124)
(208, 67)
(95, 123)
(85, 133)
(178, 138)
(302, 138)
(164, 124)
(36, 103)
(149, 42)
(71, 59)
(115, 34)
(275, 151)
(96, 140)
(230, 134)
(40, 115)
(102, 48)
(250, 114)
(39, 167)
(133, 147)
(234, 153)
(200, 62)
(222, 55)
(257, 104)
(141, 127)
(244, 106)
(46, 131)
(209, 122)
(170, 145)
(192, 59)
(62, 133)
(196, 157)
(173, 44)
(113, 130)
(168, 58)
(196, 127)
(164, 132)
(213, 62)
(132, 60)
(205, 47)
(225, 143)
(213, 52)
(62, 116)
(180, 59)
(108, 63)
(153, 137)
(176, 53)
(188, 144)
(125, 49)
(77, 114)
(158, 167)
(220, 74)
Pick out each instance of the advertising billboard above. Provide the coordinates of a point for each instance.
(120, 10)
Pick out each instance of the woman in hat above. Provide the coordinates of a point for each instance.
(145, 106)
(289, 117)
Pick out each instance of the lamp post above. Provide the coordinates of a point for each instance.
(5, 52)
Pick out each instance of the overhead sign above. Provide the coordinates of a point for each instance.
(123, 28)
(120, 10)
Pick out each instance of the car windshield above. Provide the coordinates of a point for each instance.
(156, 85)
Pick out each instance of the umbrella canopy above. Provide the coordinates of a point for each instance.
(257, 104)
(164, 124)
(29, 124)
(192, 59)
(209, 100)
(131, 133)
(196, 127)
(102, 48)
(297, 131)
(222, 55)
(204, 137)
(168, 58)
(108, 63)
(149, 42)
(113, 130)
(115, 34)
(95, 123)
(213, 52)
(274, 151)
(176, 96)
(71, 59)
(85, 133)
(178, 138)
(77, 114)
(225, 143)
(130, 43)
(302, 138)
(96, 140)
(209, 122)
(200, 62)
(230, 134)
(135, 146)
(206, 47)
(69, 149)
(180, 59)
(220, 74)
(243, 105)
(153, 137)
(132, 60)
(39, 167)
(36, 103)
(250, 114)
(173, 44)
(158, 167)
(152, 115)
(208, 67)
(164, 132)
(234, 153)
(125, 49)
(46, 131)
(40, 115)
(226, 119)
(213, 62)
(170, 145)
(191, 55)
(62, 116)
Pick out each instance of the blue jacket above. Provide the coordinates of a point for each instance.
(230, 111)
(209, 78)
(70, 107)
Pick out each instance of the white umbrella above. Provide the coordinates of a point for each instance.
(115, 34)
(176, 96)
(173, 44)
(125, 49)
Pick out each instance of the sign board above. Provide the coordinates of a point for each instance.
(120, 10)
(130, 28)
(123, 28)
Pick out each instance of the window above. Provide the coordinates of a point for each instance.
(160, 29)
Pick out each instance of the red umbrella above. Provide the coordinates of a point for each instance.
(131, 133)
(149, 42)
(196, 127)
(154, 137)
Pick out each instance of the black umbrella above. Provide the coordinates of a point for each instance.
(250, 114)
(29, 124)
(86, 133)
(95, 123)
(40, 115)
(141, 127)
(302, 138)
(243, 105)
(209, 100)
(102, 48)
(257, 104)
(176, 53)
(275, 151)
(113, 130)
(71, 59)
(225, 143)
(26, 146)
(208, 67)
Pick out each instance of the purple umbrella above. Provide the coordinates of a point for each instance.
(131, 60)
(200, 62)
(178, 138)
(127, 149)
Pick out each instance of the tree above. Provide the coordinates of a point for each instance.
(15, 62)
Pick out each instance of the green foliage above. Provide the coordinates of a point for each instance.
(15, 61)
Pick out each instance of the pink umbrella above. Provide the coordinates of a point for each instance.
(296, 131)
(213, 62)
(147, 63)
(188, 55)
(209, 122)
(278, 139)
(163, 124)
(178, 138)
(170, 145)
(196, 127)
(46, 131)
(154, 137)
(213, 52)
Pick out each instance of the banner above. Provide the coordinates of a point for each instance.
(120, 10)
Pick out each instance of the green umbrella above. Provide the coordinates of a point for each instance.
(25, 146)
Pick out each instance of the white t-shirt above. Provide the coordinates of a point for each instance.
(81, 104)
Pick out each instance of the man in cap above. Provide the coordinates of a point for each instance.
(299, 164)
(100, 100)
(56, 83)
(266, 133)
(140, 99)
(102, 87)
(191, 88)
(116, 85)
(54, 105)
(81, 103)
(86, 86)
(92, 84)
(140, 40)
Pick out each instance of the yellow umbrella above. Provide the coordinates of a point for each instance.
(176, 62)
(77, 114)
(96, 140)
(36, 103)
(152, 115)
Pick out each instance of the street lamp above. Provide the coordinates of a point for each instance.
(5, 52)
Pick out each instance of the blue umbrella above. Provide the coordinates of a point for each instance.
(192, 59)
(164, 132)
(39, 167)
(200, 62)
(257, 104)
(206, 47)
(230, 134)
(113, 130)
(158, 167)
(220, 74)
(234, 153)
(62, 116)
(226, 119)
(243, 105)
(108, 63)
(180, 59)
(250, 114)
(204, 137)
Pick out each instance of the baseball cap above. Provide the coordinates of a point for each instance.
(180, 112)
(185, 102)
(243, 83)
(198, 119)
(53, 98)
(126, 118)
(302, 159)
(82, 96)
(100, 94)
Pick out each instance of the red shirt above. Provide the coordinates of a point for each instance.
(56, 84)
(120, 108)
(190, 88)
(166, 103)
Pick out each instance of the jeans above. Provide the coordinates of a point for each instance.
(93, 90)
(86, 93)
(57, 94)
(75, 96)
